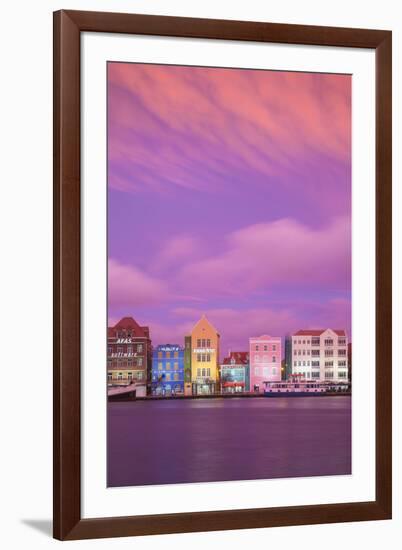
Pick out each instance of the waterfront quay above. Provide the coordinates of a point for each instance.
(165, 441)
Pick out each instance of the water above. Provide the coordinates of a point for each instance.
(187, 441)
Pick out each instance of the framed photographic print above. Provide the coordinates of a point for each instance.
(222, 265)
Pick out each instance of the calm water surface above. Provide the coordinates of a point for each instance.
(183, 441)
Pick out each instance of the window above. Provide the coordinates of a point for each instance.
(208, 358)
(304, 352)
(139, 348)
(315, 341)
(342, 374)
(160, 354)
(329, 374)
(130, 375)
(308, 342)
(199, 357)
(208, 343)
(176, 376)
(341, 363)
(119, 349)
(198, 343)
(167, 366)
(294, 352)
(129, 362)
(304, 363)
(304, 342)
(120, 376)
(273, 370)
(294, 363)
(203, 358)
(315, 375)
(308, 363)
(273, 347)
(168, 355)
(315, 352)
(199, 373)
(129, 349)
(139, 375)
(203, 373)
(257, 347)
(328, 342)
(342, 352)
(176, 354)
(176, 366)
(265, 371)
(208, 372)
(329, 363)
(341, 342)
(308, 352)
(139, 362)
(203, 343)
(299, 352)
(315, 363)
(329, 353)
(110, 350)
(265, 347)
(109, 375)
(168, 376)
(159, 366)
(273, 359)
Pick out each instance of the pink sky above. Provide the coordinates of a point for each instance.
(229, 194)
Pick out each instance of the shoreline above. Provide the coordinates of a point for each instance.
(122, 398)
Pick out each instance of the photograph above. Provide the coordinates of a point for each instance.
(229, 227)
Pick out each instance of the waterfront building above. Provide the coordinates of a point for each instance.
(350, 362)
(288, 356)
(235, 372)
(265, 361)
(320, 355)
(187, 365)
(204, 357)
(129, 353)
(167, 370)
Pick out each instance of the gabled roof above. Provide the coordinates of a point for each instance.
(241, 357)
(129, 323)
(318, 332)
(204, 319)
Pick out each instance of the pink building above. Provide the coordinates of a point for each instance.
(265, 361)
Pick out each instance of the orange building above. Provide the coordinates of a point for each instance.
(204, 357)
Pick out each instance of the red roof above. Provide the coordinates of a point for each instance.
(318, 332)
(128, 323)
(241, 357)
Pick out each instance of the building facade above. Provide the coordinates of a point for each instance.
(187, 365)
(320, 355)
(168, 370)
(235, 372)
(265, 361)
(204, 358)
(129, 353)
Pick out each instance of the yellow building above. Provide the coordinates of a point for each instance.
(204, 357)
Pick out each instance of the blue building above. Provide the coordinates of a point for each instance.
(167, 377)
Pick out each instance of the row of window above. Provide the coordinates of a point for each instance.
(203, 357)
(258, 347)
(168, 366)
(316, 352)
(168, 354)
(317, 363)
(264, 359)
(328, 375)
(203, 373)
(316, 342)
(138, 362)
(168, 376)
(124, 376)
(203, 343)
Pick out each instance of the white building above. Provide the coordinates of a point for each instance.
(320, 355)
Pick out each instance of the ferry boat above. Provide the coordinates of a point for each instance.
(302, 388)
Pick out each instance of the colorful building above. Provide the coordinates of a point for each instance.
(235, 372)
(204, 358)
(129, 353)
(265, 361)
(167, 370)
(320, 355)
(187, 365)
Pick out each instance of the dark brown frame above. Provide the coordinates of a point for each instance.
(68, 26)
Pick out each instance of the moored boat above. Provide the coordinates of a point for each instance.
(303, 388)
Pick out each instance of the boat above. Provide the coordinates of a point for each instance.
(303, 388)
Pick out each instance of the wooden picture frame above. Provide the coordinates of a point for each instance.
(68, 26)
